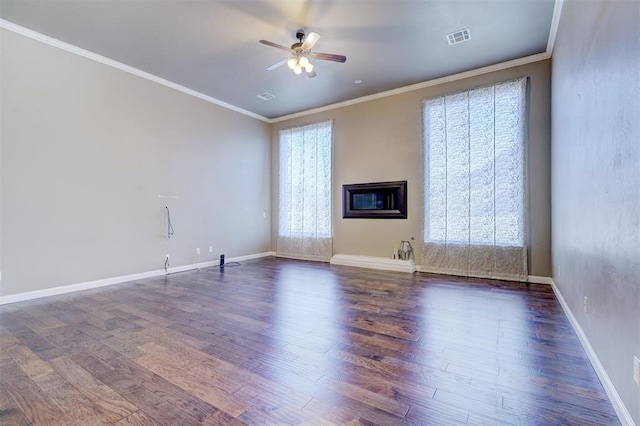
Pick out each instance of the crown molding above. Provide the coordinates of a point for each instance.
(553, 31)
(448, 79)
(143, 74)
(555, 23)
(10, 26)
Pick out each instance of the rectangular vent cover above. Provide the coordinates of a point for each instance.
(459, 36)
(266, 96)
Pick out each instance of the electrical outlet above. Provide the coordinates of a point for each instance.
(166, 257)
(198, 250)
(586, 305)
(636, 370)
(210, 249)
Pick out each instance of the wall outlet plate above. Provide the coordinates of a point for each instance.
(198, 250)
(210, 249)
(636, 370)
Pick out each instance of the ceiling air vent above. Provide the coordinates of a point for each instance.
(458, 36)
(266, 96)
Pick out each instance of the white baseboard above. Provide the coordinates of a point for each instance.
(610, 389)
(249, 257)
(534, 279)
(373, 262)
(30, 295)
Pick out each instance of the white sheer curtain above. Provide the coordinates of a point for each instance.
(475, 146)
(304, 227)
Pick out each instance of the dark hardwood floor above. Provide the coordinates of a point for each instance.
(285, 342)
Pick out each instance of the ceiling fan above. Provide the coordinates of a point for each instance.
(300, 53)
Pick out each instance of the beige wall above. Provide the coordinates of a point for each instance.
(596, 180)
(381, 140)
(85, 151)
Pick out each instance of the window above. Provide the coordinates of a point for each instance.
(304, 227)
(475, 182)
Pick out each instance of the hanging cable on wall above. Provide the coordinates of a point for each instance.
(169, 225)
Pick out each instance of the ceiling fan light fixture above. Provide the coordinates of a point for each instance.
(299, 54)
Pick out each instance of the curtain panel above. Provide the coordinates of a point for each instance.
(475, 171)
(304, 225)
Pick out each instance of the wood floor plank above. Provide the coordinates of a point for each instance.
(5, 401)
(165, 390)
(433, 414)
(36, 406)
(256, 417)
(371, 398)
(139, 418)
(157, 357)
(227, 371)
(10, 414)
(275, 392)
(28, 361)
(222, 419)
(359, 411)
(280, 407)
(170, 338)
(200, 381)
(137, 391)
(14, 417)
(39, 345)
(39, 321)
(383, 384)
(94, 390)
(75, 405)
(129, 307)
(278, 341)
(154, 407)
(333, 413)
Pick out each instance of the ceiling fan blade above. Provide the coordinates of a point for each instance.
(328, 57)
(272, 44)
(277, 64)
(310, 40)
(311, 74)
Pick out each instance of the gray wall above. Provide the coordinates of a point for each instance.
(596, 180)
(87, 148)
(381, 140)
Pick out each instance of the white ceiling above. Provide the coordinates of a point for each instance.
(212, 46)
